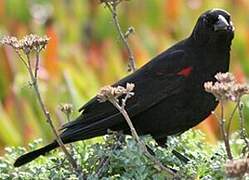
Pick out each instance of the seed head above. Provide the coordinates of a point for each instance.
(66, 108)
(226, 87)
(27, 43)
(109, 92)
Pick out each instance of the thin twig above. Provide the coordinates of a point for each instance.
(46, 113)
(113, 9)
(37, 62)
(136, 137)
(223, 132)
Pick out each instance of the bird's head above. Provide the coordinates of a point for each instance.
(214, 26)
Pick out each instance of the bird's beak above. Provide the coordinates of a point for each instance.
(222, 24)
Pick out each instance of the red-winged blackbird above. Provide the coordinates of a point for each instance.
(169, 95)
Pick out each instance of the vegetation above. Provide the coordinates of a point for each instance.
(127, 162)
(84, 54)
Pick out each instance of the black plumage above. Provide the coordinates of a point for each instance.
(169, 94)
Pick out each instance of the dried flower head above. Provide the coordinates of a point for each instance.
(11, 41)
(35, 42)
(237, 168)
(66, 108)
(226, 87)
(224, 77)
(109, 92)
(27, 43)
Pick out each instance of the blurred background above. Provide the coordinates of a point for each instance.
(85, 53)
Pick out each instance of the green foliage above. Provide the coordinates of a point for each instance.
(125, 162)
(85, 53)
(88, 53)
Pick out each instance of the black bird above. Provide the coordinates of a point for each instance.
(169, 95)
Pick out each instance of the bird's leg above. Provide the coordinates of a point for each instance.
(162, 143)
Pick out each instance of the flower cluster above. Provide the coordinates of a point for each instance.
(226, 87)
(237, 168)
(109, 92)
(27, 43)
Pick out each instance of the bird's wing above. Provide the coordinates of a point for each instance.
(164, 76)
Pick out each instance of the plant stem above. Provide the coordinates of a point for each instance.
(37, 63)
(33, 77)
(223, 132)
(113, 10)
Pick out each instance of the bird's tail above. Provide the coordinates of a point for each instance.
(71, 133)
(26, 158)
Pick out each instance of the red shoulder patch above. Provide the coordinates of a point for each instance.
(185, 71)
